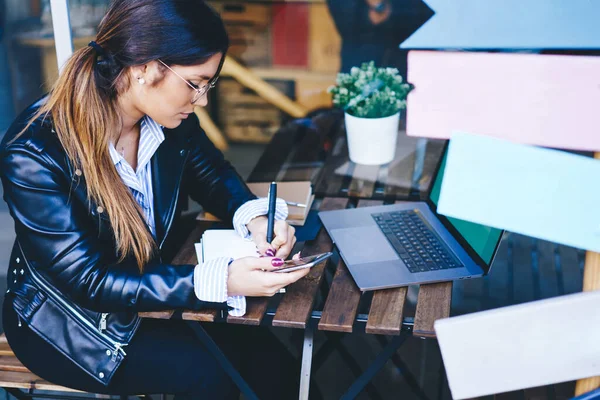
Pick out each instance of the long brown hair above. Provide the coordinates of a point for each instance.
(83, 102)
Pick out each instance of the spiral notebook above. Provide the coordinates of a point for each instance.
(216, 243)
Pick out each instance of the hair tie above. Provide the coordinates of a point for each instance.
(99, 50)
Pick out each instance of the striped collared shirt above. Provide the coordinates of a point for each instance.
(139, 182)
(210, 278)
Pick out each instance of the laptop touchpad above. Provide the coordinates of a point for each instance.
(363, 245)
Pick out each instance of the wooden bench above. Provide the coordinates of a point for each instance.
(14, 375)
(17, 380)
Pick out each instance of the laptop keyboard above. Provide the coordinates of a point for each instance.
(416, 244)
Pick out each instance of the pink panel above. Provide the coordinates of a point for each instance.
(546, 100)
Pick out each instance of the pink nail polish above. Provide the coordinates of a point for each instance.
(277, 262)
(270, 253)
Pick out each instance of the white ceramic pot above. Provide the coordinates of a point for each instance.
(372, 141)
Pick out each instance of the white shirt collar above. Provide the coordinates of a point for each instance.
(151, 136)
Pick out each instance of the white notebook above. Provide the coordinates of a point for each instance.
(216, 243)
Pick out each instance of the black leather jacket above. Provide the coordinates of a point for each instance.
(67, 283)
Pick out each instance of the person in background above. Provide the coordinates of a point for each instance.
(373, 30)
(94, 176)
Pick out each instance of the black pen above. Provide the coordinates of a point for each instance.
(271, 212)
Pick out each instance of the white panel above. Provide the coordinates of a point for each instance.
(62, 31)
(522, 346)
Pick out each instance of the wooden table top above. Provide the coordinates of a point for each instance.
(314, 149)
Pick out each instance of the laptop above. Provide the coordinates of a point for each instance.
(410, 243)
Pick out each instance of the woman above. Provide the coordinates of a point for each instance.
(94, 177)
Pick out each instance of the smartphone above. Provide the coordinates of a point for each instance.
(304, 262)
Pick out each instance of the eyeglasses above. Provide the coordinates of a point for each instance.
(199, 91)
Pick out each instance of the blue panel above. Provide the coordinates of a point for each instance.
(509, 24)
(547, 194)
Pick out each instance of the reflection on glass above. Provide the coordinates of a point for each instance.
(296, 46)
(85, 15)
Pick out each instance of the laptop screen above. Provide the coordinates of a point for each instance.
(482, 239)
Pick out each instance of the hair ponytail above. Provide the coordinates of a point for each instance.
(82, 104)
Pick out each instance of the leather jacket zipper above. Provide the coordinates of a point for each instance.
(102, 324)
(118, 347)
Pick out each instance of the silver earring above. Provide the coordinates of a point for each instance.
(141, 81)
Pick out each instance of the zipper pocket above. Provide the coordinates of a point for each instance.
(118, 347)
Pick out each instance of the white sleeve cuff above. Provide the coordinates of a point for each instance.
(254, 208)
(210, 284)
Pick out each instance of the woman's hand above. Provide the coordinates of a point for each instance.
(252, 276)
(282, 243)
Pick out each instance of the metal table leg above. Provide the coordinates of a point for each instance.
(379, 362)
(222, 360)
(307, 354)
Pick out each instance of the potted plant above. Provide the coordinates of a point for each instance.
(371, 98)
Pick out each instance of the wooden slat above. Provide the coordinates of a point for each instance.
(255, 311)
(297, 304)
(433, 303)
(201, 316)
(13, 374)
(342, 301)
(5, 350)
(157, 314)
(385, 314)
(591, 281)
(27, 380)
(11, 363)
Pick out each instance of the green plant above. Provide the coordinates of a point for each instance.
(370, 92)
